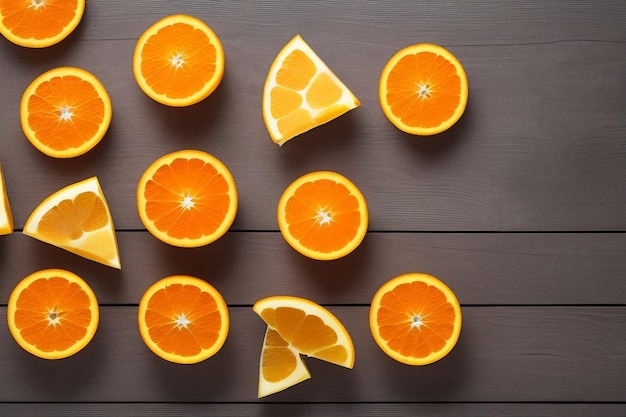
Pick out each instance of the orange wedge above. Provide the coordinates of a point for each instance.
(6, 220)
(183, 319)
(53, 313)
(39, 23)
(178, 61)
(301, 93)
(295, 327)
(415, 319)
(77, 219)
(65, 112)
(423, 89)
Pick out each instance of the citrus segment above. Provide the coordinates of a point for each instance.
(6, 220)
(187, 198)
(178, 61)
(65, 112)
(301, 93)
(323, 215)
(77, 219)
(183, 319)
(39, 23)
(423, 89)
(53, 313)
(297, 326)
(415, 319)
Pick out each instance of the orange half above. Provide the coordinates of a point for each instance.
(178, 61)
(183, 319)
(323, 215)
(423, 89)
(187, 198)
(53, 313)
(415, 319)
(39, 23)
(65, 112)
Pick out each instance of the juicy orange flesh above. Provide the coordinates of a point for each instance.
(415, 319)
(65, 112)
(307, 333)
(278, 360)
(26, 21)
(186, 46)
(187, 198)
(439, 82)
(298, 72)
(323, 215)
(47, 301)
(183, 320)
(69, 219)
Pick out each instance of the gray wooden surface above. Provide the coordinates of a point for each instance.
(520, 208)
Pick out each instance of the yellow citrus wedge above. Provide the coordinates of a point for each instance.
(297, 326)
(6, 220)
(415, 319)
(65, 112)
(423, 89)
(53, 313)
(178, 61)
(323, 215)
(39, 23)
(183, 319)
(301, 93)
(77, 219)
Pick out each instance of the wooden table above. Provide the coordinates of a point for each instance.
(520, 208)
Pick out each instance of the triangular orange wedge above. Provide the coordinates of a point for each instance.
(295, 327)
(301, 93)
(77, 219)
(6, 220)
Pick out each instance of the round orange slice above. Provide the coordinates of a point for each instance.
(415, 319)
(39, 23)
(6, 220)
(187, 198)
(301, 93)
(423, 89)
(178, 61)
(53, 313)
(323, 215)
(183, 319)
(295, 327)
(65, 112)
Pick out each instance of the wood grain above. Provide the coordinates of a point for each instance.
(519, 208)
(504, 354)
(482, 268)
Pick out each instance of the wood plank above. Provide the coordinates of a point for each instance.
(305, 410)
(539, 148)
(504, 354)
(482, 268)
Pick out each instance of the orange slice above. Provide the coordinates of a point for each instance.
(423, 89)
(415, 318)
(65, 112)
(77, 219)
(187, 198)
(178, 61)
(53, 313)
(6, 220)
(297, 326)
(323, 215)
(39, 23)
(183, 319)
(301, 93)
